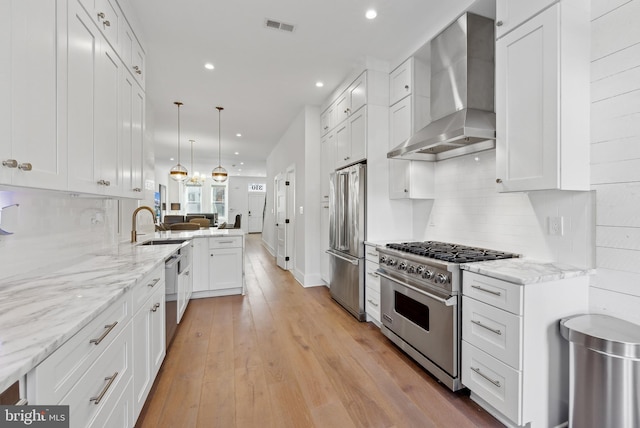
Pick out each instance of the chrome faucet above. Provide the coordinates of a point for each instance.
(2, 231)
(134, 234)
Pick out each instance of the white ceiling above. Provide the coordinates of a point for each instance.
(263, 77)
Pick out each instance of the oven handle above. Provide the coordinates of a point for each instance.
(447, 302)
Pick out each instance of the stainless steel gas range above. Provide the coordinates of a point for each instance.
(420, 297)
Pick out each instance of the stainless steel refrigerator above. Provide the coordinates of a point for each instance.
(347, 217)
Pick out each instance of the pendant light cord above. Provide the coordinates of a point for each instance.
(219, 137)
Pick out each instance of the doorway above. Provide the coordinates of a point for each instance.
(255, 212)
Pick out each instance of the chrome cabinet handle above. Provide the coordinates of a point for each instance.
(495, 382)
(406, 87)
(375, 275)
(137, 189)
(137, 69)
(10, 163)
(100, 15)
(104, 183)
(153, 282)
(495, 293)
(155, 307)
(226, 242)
(372, 302)
(106, 23)
(25, 166)
(498, 180)
(108, 327)
(373, 254)
(100, 396)
(499, 23)
(493, 330)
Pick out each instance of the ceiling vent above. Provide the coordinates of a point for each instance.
(270, 23)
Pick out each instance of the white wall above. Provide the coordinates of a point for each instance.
(468, 210)
(615, 156)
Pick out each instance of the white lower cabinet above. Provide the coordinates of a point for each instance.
(149, 345)
(105, 371)
(514, 360)
(372, 285)
(218, 266)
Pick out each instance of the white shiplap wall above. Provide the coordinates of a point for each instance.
(615, 156)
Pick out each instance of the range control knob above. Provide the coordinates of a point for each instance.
(383, 259)
(428, 274)
(441, 279)
(411, 269)
(402, 266)
(391, 262)
(420, 270)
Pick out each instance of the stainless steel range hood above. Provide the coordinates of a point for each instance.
(462, 94)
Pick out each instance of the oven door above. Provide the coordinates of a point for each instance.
(425, 321)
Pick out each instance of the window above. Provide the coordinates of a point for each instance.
(219, 201)
(193, 198)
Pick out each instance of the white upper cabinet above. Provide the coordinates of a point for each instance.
(328, 163)
(351, 139)
(132, 53)
(357, 93)
(132, 136)
(511, 13)
(32, 149)
(328, 119)
(107, 16)
(400, 81)
(542, 102)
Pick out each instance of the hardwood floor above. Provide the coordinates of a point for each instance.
(286, 356)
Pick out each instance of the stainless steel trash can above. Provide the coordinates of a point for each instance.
(605, 371)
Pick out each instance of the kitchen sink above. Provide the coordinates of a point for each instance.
(164, 242)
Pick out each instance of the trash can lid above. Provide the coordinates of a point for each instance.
(603, 333)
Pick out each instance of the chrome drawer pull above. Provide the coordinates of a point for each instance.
(372, 254)
(372, 302)
(97, 399)
(495, 382)
(493, 330)
(225, 242)
(375, 275)
(153, 282)
(108, 329)
(155, 307)
(495, 293)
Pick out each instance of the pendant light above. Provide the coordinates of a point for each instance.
(219, 174)
(196, 179)
(178, 172)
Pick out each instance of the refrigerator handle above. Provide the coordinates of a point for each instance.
(350, 260)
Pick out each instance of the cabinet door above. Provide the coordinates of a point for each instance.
(327, 119)
(324, 242)
(358, 136)
(527, 123)
(400, 81)
(29, 90)
(511, 13)
(343, 107)
(200, 264)
(142, 379)
(343, 144)
(106, 15)
(328, 163)
(400, 115)
(83, 52)
(107, 121)
(225, 268)
(158, 334)
(358, 93)
(131, 136)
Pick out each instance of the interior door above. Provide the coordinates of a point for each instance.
(281, 215)
(256, 209)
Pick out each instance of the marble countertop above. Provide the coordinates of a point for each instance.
(525, 271)
(41, 310)
(189, 234)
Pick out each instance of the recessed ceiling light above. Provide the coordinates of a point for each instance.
(238, 135)
(371, 14)
(239, 169)
(209, 66)
(241, 163)
(319, 84)
(171, 159)
(236, 153)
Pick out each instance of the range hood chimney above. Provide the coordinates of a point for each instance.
(462, 94)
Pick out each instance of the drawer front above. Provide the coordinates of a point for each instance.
(226, 242)
(372, 303)
(99, 389)
(493, 381)
(501, 294)
(372, 279)
(54, 377)
(371, 254)
(118, 414)
(145, 288)
(493, 330)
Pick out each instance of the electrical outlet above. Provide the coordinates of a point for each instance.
(556, 226)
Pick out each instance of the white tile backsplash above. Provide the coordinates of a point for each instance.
(51, 228)
(468, 210)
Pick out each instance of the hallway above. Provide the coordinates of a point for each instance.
(286, 356)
